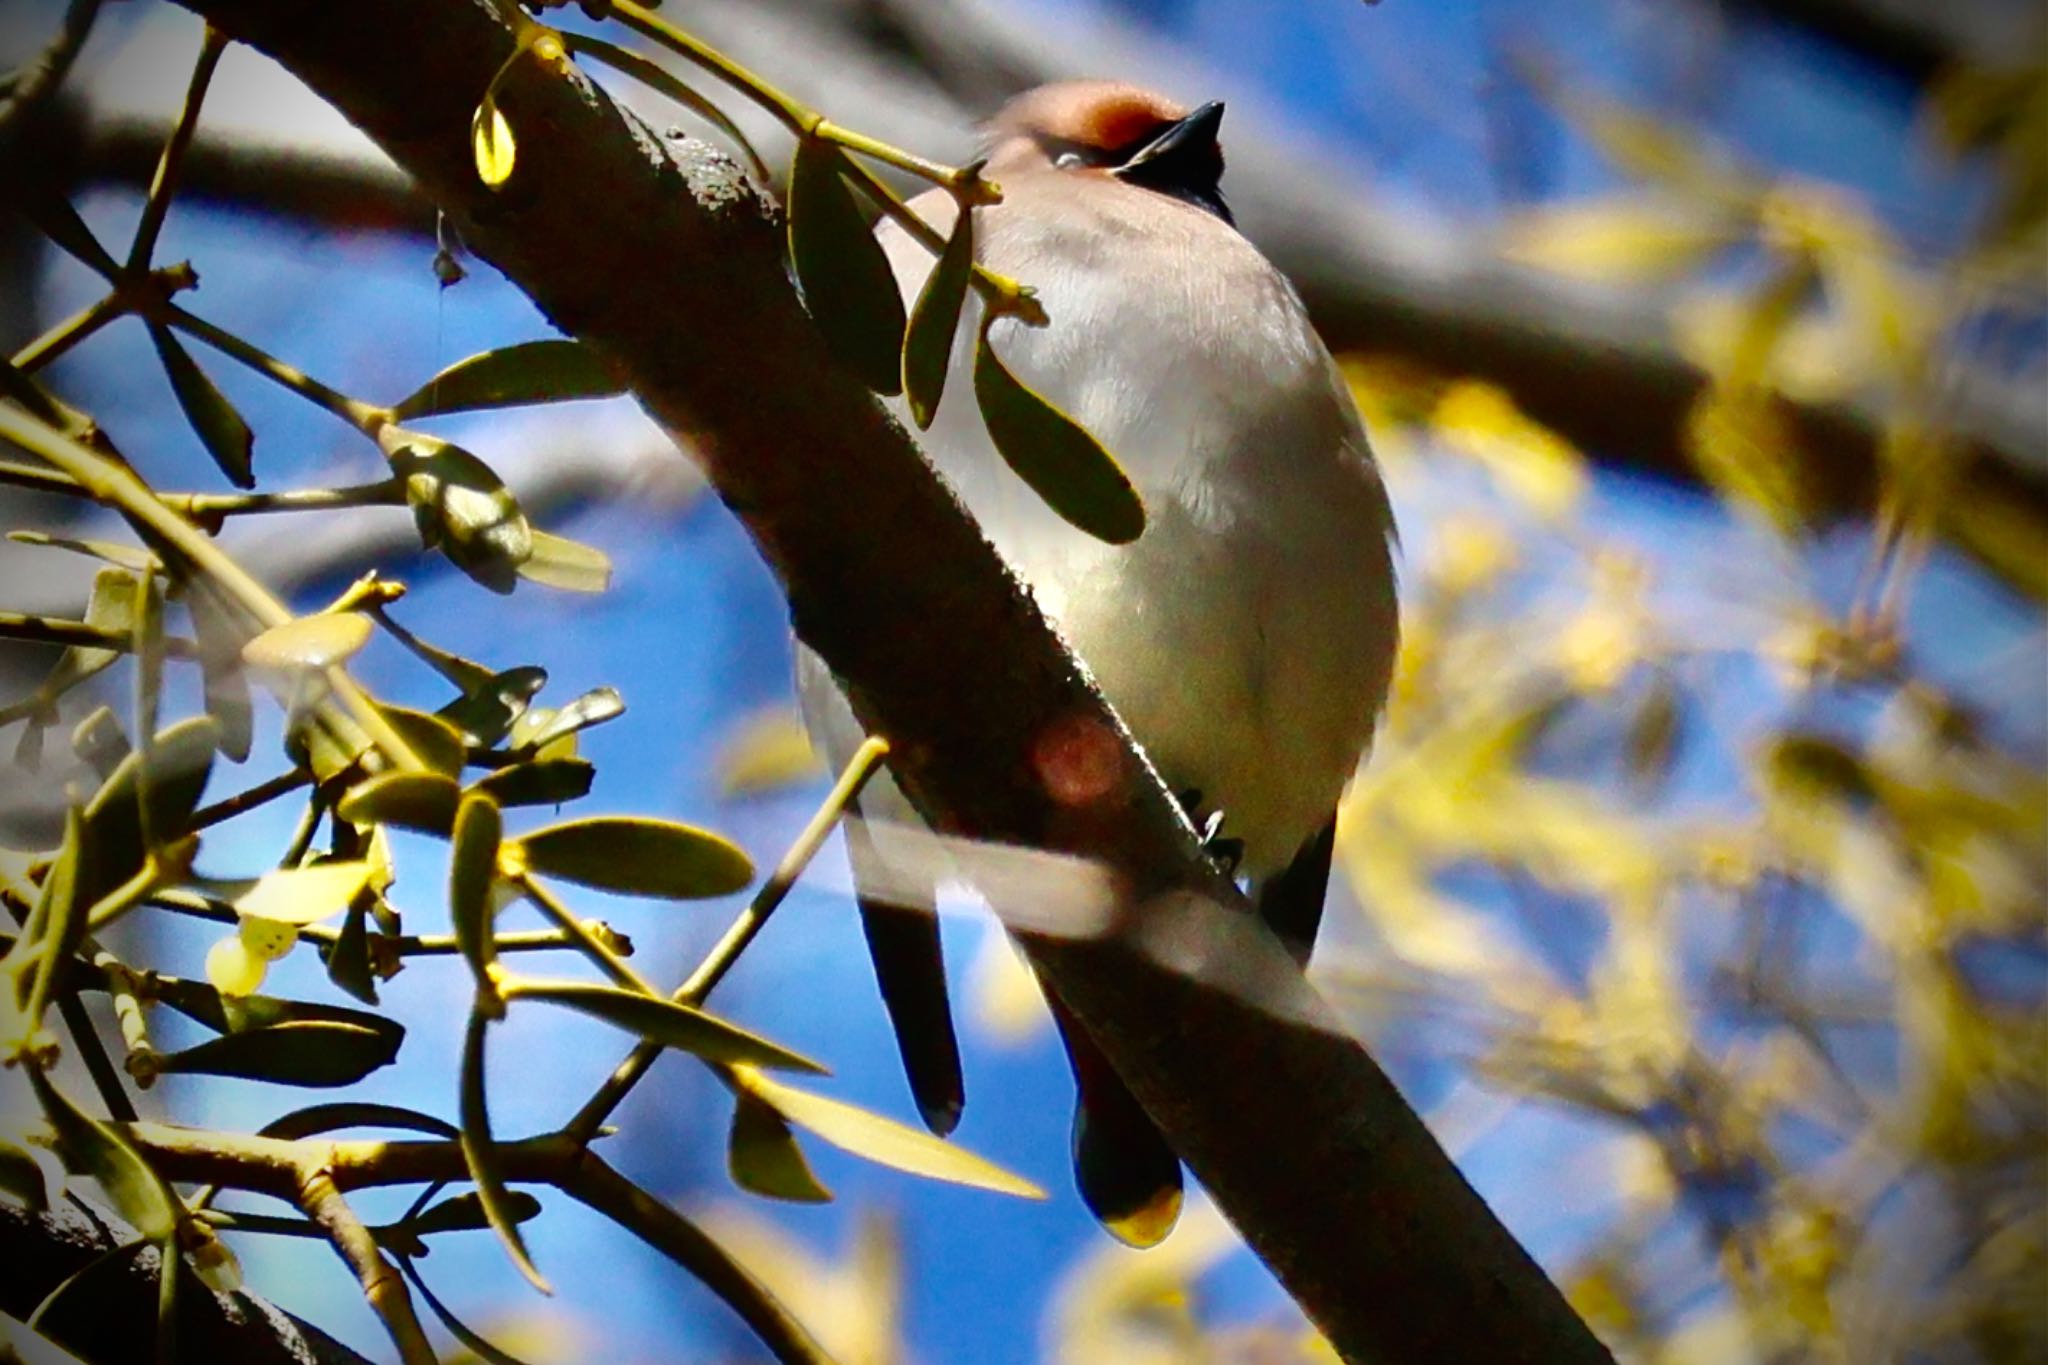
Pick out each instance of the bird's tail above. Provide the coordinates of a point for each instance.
(903, 941)
(1128, 1176)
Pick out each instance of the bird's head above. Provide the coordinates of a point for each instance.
(1106, 129)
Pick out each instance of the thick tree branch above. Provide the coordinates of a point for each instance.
(662, 257)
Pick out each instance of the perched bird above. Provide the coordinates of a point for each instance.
(1246, 637)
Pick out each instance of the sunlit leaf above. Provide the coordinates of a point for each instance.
(638, 856)
(763, 1157)
(1529, 462)
(844, 274)
(91, 1148)
(59, 918)
(534, 731)
(460, 506)
(1063, 464)
(882, 1139)
(321, 640)
(420, 801)
(226, 436)
(491, 144)
(1627, 240)
(679, 1026)
(928, 344)
(304, 895)
(311, 1052)
(769, 751)
(480, 1154)
(472, 871)
(1744, 443)
(551, 371)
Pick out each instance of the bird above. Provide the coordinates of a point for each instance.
(1246, 637)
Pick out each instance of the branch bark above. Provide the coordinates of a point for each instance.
(664, 258)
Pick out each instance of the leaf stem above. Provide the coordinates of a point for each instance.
(163, 185)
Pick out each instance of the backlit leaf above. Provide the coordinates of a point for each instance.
(559, 562)
(310, 1052)
(534, 730)
(882, 1139)
(844, 274)
(91, 1148)
(763, 1157)
(419, 801)
(928, 344)
(472, 870)
(679, 1026)
(552, 371)
(480, 1154)
(304, 895)
(638, 856)
(226, 436)
(490, 142)
(1064, 465)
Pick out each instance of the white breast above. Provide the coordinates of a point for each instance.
(1247, 637)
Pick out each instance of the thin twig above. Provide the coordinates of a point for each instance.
(57, 630)
(384, 1289)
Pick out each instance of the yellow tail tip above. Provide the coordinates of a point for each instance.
(1148, 1224)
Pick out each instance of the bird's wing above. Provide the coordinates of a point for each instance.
(1292, 902)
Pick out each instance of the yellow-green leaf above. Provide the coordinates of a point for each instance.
(480, 1154)
(762, 1155)
(59, 915)
(305, 895)
(551, 371)
(419, 801)
(1624, 240)
(882, 1139)
(321, 640)
(679, 1026)
(490, 141)
(177, 767)
(570, 565)
(841, 268)
(638, 856)
(1050, 451)
(91, 1148)
(226, 436)
(316, 1053)
(537, 729)
(472, 870)
(489, 707)
(928, 344)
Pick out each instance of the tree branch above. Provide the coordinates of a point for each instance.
(383, 1287)
(666, 260)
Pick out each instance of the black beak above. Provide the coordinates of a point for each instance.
(1185, 161)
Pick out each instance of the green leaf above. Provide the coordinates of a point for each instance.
(59, 917)
(110, 607)
(471, 1341)
(551, 371)
(220, 639)
(60, 222)
(322, 640)
(487, 711)
(91, 1148)
(418, 801)
(559, 562)
(348, 961)
(1064, 465)
(537, 729)
(666, 1022)
(179, 763)
(329, 1118)
(438, 741)
(303, 895)
(480, 1154)
(661, 79)
(928, 345)
(465, 1213)
(461, 507)
(881, 1139)
(638, 856)
(200, 1002)
(311, 1052)
(23, 1178)
(472, 870)
(221, 429)
(538, 782)
(842, 270)
(762, 1155)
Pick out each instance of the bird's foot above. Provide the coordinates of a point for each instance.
(1225, 853)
